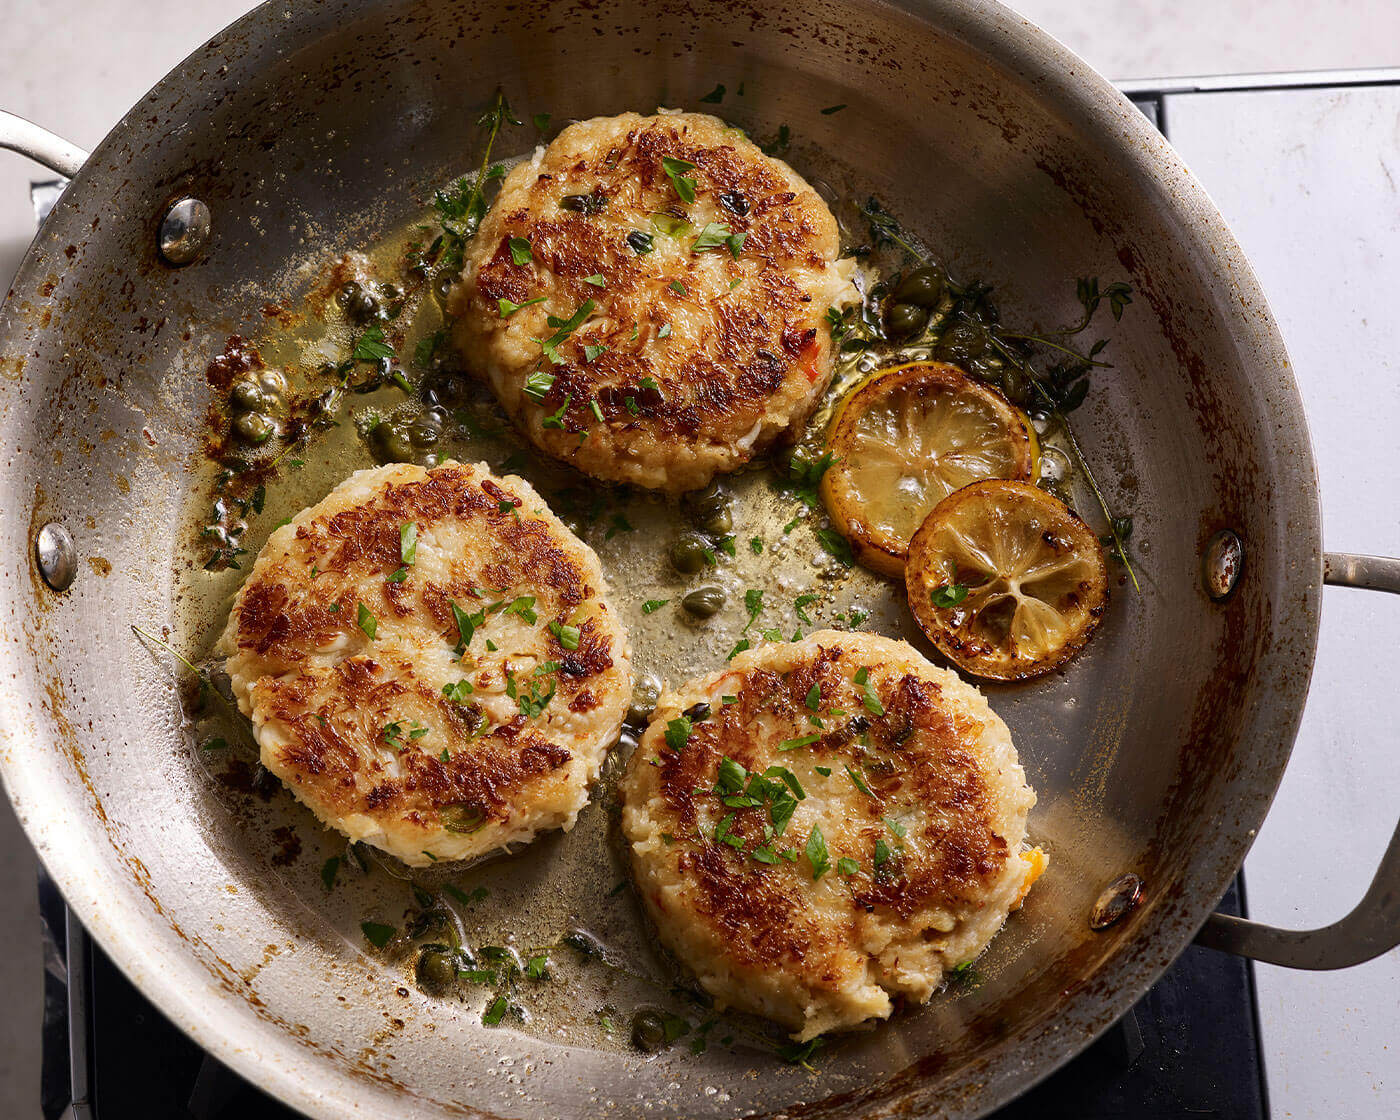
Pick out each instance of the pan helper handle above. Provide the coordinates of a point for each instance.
(1373, 927)
(40, 145)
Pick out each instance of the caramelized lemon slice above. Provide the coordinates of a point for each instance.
(906, 439)
(1005, 580)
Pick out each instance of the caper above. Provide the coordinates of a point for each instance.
(904, 320)
(923, 287)
(422, 432)
(441, 286)
(705, 601)
(350, 290)
(648, 1031)
(436, 971)
(691, 553)
(391, 444)
(247, 396)
(645, 694)
(272, 383)
(254, 428)
(711, 508)
(697, 713)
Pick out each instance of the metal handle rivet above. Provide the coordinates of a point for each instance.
(1222, 563)
(1119, 897)
(57, 556)
(184, 231)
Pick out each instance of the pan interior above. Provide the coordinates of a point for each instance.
(1156, 751)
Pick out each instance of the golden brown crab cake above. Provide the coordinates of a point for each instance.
(430, 661)
(825, 824)
(648, 297)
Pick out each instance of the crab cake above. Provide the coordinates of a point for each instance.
(826, 824)
(648, 296)
(430, 661)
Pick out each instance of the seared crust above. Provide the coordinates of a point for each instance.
(360, 729)
(736, 346)
(765, 936)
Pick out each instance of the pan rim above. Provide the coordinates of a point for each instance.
(301, 1078)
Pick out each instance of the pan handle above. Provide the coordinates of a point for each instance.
(40, 145)
(1373, 927)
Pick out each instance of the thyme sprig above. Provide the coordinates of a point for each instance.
(206, 686)
(461, 206)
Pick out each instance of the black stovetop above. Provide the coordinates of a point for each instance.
(1190, 1047)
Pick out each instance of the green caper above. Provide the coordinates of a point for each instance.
(648, 1031)
(254, 428)
(348, 291)
(645, 694)
(705, 601)
(363, 307)
(422, 432)
(247, 396)
(923, 287)
(442, 286)
(691, 553)
(904, 320)
(272, 383)
(391, 443)
(436, 971)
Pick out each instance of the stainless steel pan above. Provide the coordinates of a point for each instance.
(308, 129)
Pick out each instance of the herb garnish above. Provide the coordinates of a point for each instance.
(868, 694)
(461, 207)
(678, 732)
(367, 622)
(948, 594)
(675, 169)
(377, 933)
(568, 635)
(458, 692)
(520, 250)
(715, 96)
(371, 346)
(652, 605)
(817, 854)
(639, 242)
(533, 703)
(538, 385)
(507, 308)
(564, 328)
(858, 781)
(328, 872)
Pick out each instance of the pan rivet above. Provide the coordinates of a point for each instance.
(1222, 564)
(1117, 899)
(57, 556)
(184, 231)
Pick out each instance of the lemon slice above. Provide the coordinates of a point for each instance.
(905, 440)
(1005, 580)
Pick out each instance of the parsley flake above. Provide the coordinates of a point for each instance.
(675, 168)
(520, 250)
(367, 622)
(678, 732)
(507, 308)
(948, 595)
(653, 605)
(817, 854)
(377, 934)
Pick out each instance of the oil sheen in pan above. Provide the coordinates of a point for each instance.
(561, 883)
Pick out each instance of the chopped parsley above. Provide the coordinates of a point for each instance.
(665, 331)
(367, 622)
(523, 607)
(495, 1012)
(564, 328)
(675, 171)
(948, 595)
(678, 732)
(753, 603)
(538, 385)
(802, 602)
(377, 934)
(714, 236)
(458, 692)
(506, 308)
(520, 250)
(466, 625)
(371, 346)
(652, 605)
(462, 897)
(568, 635)
(897, 827)
(858, 781)
(869, 696)
(533, 703)
(882, 852)
(756, 545)
(835, 545)
(800, 741)
(593, 405)
(814, 698)
(847, 866)
(598, 280)
(328, 871)
(556, 419)
(817, 854)
(541, 121)
(408, 542)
